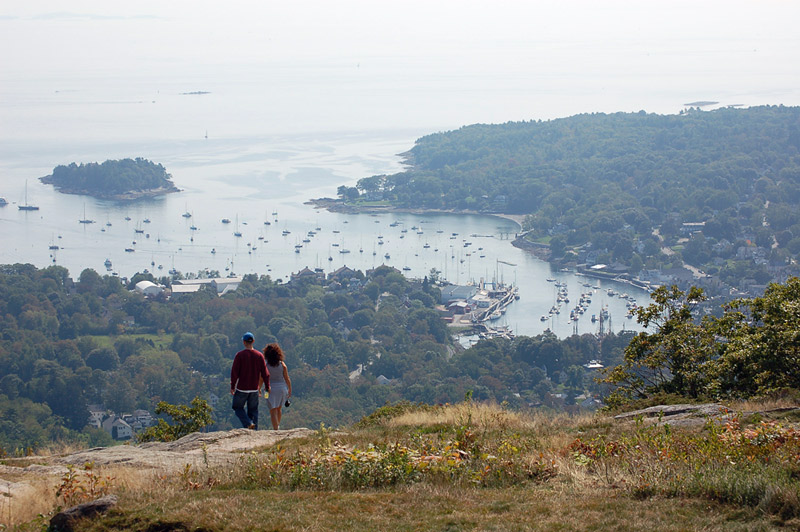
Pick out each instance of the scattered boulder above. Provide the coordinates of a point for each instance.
(686, 415)
(65, 521)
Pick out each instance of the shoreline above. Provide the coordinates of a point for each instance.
(126, 196)
(540, 251)
(335, 205)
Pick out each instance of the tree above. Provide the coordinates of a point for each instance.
(672, 359)
(104, 358)
(760, 354)
(558, 245)
(186, 419)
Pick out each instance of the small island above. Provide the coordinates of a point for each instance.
(125, 179)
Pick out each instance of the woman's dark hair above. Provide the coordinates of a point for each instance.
(273, 353)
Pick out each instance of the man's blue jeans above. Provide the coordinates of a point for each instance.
(240, 399)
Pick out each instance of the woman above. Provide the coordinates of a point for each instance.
(280, 385)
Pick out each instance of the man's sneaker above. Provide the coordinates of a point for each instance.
(252, 426)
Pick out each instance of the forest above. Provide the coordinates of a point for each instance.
(97, 342)
(112, 178)
(605, 188)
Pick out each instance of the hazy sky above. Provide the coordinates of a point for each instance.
(573, 56)
(44, 35)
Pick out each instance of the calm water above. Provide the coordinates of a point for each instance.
(304, 97)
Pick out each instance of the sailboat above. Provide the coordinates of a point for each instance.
(25, 206)
(85, 220)
(236, 231)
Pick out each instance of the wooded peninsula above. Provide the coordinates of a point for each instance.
(125, 179)
(713, 190)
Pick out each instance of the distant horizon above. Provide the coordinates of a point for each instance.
(122, 71)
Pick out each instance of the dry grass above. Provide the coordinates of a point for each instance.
(765, 404)
(21, 501)
(420, 508)
(482, 416)
(574, 489)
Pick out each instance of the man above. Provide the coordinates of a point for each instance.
(248, 367)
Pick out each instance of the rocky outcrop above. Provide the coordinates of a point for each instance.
(67, 520)
(212, 448)
(541, 251)
(679, 415)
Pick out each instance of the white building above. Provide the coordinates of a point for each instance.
(149, 289)
(222, 285)
(118, 428)
(96, 415)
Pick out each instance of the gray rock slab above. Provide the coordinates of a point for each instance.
(679, 415)
(67, 520)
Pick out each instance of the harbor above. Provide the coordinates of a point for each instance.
(280, 234)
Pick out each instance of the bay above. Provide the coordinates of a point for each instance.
(250, 181)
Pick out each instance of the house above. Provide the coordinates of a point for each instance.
(369, 273)
(149, 289)
(688, 228)
(306, 273)
(143, 417)
(459, 307)
(342, 273)
(481, 299)
(96, 415)
(454, 292)
(117, 427)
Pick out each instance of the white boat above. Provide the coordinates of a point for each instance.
(85, 220)
(25, 206)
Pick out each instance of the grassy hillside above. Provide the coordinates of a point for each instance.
(473, 467)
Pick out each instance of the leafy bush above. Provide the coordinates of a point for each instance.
(186, 419)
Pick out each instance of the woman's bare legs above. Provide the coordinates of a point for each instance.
(275, 416)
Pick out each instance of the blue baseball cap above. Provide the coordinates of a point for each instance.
(248, 337)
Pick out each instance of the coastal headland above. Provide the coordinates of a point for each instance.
(337, 205)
